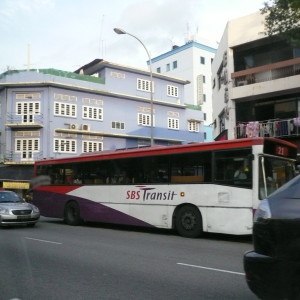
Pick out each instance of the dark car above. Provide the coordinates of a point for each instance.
(273, 268)
(15, 211)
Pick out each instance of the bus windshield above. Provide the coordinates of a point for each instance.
(273, 173)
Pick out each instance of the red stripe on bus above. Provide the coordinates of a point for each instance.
(58, 189)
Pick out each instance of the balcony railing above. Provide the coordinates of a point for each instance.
(271, 128)
(26, 120)
(267, 72)
(24, 157)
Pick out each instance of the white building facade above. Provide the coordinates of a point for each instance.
(192, 62)
(256, 83)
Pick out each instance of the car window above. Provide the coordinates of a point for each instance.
(8, 197)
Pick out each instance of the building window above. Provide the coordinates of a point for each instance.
(203, 78)
(204, 116)
(92, 113)
(202, 60)
(173, 123)
(145, 119)
(64, 109)
(26, 147)
(204, 97)
(65, 97)
(92, 101)
(158, 70)
(117, 75)
(205, 135)
(88, 146)
(175, 64)
(27, 110)
(168, 67)
(28, 96)
(64, 146)
(172, 90)
(144, 85)
(118, 125)
(194, 126)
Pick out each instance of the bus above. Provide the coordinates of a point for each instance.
(194, 188)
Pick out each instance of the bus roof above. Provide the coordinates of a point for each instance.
(162, 150)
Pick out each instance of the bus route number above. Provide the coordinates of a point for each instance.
(283, 151)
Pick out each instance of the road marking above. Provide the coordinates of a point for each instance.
(43, 241)
(212, 269)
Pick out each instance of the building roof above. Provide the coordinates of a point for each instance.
(99, 64)
(73, 81)
(188, 45)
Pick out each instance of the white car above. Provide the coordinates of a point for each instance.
(15, 211)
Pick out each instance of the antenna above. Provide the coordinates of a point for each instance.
(28, 65)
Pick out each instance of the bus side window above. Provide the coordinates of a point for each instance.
(224, 170)
(233, 167)
(191, 168)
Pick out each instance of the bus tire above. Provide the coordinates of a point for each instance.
(188, 221)
(72, 213)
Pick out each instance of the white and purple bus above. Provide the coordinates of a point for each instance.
(195, 188)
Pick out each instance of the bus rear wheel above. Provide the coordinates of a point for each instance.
(72, 213)
(188, 221)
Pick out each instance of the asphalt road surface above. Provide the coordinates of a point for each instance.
(57, 261)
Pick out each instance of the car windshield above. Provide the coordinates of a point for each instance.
(273, 173)
(9, 197)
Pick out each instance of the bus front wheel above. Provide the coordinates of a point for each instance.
(72, 213)
(188, 221)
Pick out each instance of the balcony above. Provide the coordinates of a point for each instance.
(24, 121)
(269, 128)
(267, 72)
(22, 158)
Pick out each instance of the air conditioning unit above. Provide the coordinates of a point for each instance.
(85, 127)
(73, 126)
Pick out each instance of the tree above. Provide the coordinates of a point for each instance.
(283, 19)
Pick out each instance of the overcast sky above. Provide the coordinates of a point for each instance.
(66, 34)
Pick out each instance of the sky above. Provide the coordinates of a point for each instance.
(67, 34)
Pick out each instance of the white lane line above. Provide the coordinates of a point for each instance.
(43, 241)
(212, 269)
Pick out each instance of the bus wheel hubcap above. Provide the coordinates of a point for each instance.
(188, 221)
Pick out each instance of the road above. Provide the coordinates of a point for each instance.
(57, 261)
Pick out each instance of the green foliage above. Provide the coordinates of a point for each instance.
(283, 19)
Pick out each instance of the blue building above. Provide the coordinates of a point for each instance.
(101, 106)
(192, 61)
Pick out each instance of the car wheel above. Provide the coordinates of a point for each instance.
(188, 221)
(72, 214)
